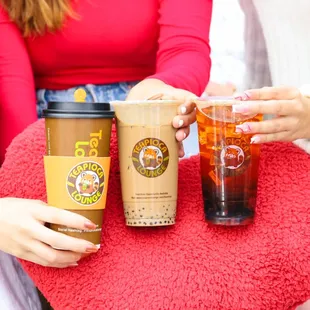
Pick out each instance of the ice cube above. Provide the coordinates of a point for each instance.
(202, 137)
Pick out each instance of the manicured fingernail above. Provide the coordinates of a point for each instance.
(73, 265)
(238, 96)
(182, 148)
(91, 249)
(243, 97)
(240, 108)
(243, 128)
(246, 95)
(255, 140)
(183, 110)
(181, 123)
(90, 225)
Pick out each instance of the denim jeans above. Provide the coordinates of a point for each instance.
(95, 93)
(17, 291)
(105, 93)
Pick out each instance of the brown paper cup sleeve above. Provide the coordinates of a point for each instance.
(77, 183)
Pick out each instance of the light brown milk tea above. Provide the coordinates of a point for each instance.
(148, 154)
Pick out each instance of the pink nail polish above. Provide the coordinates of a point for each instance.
(73, 265)
(243, 97)
(243, 128)
(246, 95)
(240, 108)
(255, 140)
(90, 225)
(91, 249)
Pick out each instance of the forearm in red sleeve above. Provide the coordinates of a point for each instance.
(17, 91)
(183, 58)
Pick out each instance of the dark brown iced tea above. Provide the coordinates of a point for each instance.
(229, 166)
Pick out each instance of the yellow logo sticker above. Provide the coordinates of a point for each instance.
(85, 183)
(150, 157)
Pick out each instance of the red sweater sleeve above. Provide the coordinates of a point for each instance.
(183, 58)
(17, 91)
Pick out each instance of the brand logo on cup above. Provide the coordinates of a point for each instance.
(150, 157)
(85, 183)
(232, 156)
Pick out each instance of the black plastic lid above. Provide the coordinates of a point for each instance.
(78, 110)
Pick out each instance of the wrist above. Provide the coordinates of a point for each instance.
(155, 82)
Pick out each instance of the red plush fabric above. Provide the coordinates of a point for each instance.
(190, 265)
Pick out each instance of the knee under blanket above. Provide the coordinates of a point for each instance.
(190, 265)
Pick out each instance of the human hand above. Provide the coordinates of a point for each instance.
(216, 89)
(291, 108)
(153, 89)
(23, 234)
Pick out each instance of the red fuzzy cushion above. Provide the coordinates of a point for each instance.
(190, 265)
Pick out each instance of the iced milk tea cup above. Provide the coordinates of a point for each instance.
(148, 155)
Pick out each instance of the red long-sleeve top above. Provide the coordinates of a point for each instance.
(110, 41)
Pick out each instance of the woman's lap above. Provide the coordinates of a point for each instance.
(95, 93)
(17, 292)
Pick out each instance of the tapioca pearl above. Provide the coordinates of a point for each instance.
(141, 215)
